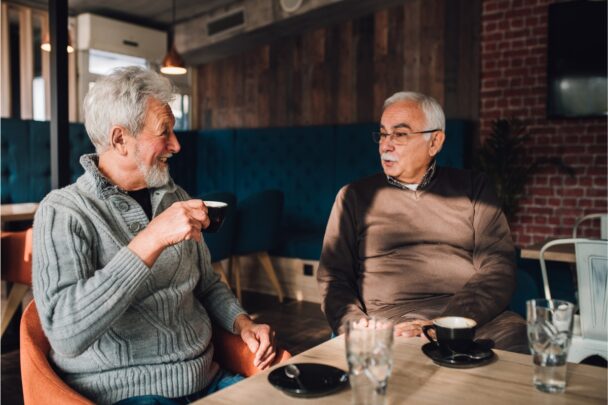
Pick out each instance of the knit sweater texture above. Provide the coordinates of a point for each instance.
(117, 328)
(395, 252)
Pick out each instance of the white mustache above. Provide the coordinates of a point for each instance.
(389, 157)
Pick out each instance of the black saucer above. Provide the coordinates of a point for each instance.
(477, 356)
(315, 380)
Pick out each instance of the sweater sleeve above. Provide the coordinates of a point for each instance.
(337, 273)
(78, 302)
(489, 291)
(215, 296)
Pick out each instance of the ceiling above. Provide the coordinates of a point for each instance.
(153, 14)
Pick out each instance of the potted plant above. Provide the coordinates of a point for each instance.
(505, 159)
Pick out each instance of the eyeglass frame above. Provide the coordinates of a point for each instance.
(397, 135)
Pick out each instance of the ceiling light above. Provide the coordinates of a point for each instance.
(173, 64)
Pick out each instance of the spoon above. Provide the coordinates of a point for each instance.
(454, 358)
(292, 371)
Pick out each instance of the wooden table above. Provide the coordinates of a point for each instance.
(417, 380)
(558, 253)
(18, 212)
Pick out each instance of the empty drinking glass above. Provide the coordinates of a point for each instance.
(549, 336)
(370, 359)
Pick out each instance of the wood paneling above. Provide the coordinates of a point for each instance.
(26, 62)
(343, 73)
(5, 110)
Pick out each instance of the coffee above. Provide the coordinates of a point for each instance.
(454, 334)
(216, 210)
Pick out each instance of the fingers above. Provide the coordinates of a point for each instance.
(194, 203)
(264, 344)
(410, 328)
(267, 361)
(251, 341)
(269, 354)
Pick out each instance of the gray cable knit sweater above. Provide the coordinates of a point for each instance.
(118, 328)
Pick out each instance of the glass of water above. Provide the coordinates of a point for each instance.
(369, 345)
(549, 336)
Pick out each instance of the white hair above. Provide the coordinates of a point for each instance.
(121, 98)
(433, 113)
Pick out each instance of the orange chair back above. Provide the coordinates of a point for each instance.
(17, 257)
(41, 385)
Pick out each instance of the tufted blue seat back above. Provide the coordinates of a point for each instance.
(26, 159)
(14, 162)
(298, 161)
(308, 164)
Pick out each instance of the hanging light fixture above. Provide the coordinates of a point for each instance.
(45, 45)
(173, 64)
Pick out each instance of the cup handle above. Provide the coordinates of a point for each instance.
(425, 329)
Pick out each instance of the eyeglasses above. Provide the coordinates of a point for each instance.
(399, 138)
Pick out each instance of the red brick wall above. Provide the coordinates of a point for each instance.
(513, 84)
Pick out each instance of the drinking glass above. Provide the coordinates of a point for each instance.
(549, 336)
(369, 346)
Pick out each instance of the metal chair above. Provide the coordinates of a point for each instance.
(16, 269)
(603, 224)
(592, 276)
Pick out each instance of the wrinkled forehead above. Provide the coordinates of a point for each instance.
(159, 111)
(403, 114)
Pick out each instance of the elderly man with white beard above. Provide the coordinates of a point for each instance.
(419, 241)
(122, 277)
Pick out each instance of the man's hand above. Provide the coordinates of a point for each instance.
(259, 338)
(183, 220)
(411, 328)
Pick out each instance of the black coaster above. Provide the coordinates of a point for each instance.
(314, 380)
(479, 355)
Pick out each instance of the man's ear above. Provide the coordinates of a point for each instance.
(436, 143)
(118, 139)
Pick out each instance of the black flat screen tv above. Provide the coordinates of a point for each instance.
(576, 59)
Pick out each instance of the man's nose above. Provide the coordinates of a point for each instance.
(387, 145)
(174, 145)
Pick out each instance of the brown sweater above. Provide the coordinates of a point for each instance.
(445, 250)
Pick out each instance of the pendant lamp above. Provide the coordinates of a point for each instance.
(173, 64)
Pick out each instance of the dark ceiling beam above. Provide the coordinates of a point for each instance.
(60, 146)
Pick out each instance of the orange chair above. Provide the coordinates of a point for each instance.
(41, 385)
(16, 269)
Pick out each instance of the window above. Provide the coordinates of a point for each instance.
(102, 62)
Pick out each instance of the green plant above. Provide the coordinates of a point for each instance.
(505, 158)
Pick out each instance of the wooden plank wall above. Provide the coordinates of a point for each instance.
(342, 73)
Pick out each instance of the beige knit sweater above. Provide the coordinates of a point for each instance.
(400, 253)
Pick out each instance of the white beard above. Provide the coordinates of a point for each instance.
(155, 176)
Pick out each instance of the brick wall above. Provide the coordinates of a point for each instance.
(513, 84)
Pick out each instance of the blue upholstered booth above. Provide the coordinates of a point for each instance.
(26, 162)
(308, 164)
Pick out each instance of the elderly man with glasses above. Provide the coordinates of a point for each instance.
(419, 241)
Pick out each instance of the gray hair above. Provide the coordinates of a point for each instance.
(435, 118)
(121, 98)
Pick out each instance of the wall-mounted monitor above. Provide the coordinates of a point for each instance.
(576, 62)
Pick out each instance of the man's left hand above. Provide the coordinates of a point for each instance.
(411, 328)
(259, 338)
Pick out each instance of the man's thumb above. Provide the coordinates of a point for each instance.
(251, 342)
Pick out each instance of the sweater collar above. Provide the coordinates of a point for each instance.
(95, 182)
(429, 175)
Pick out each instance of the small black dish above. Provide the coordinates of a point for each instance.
(478, 355)
(314, 380)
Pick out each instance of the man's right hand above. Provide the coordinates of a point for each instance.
(183, 220)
